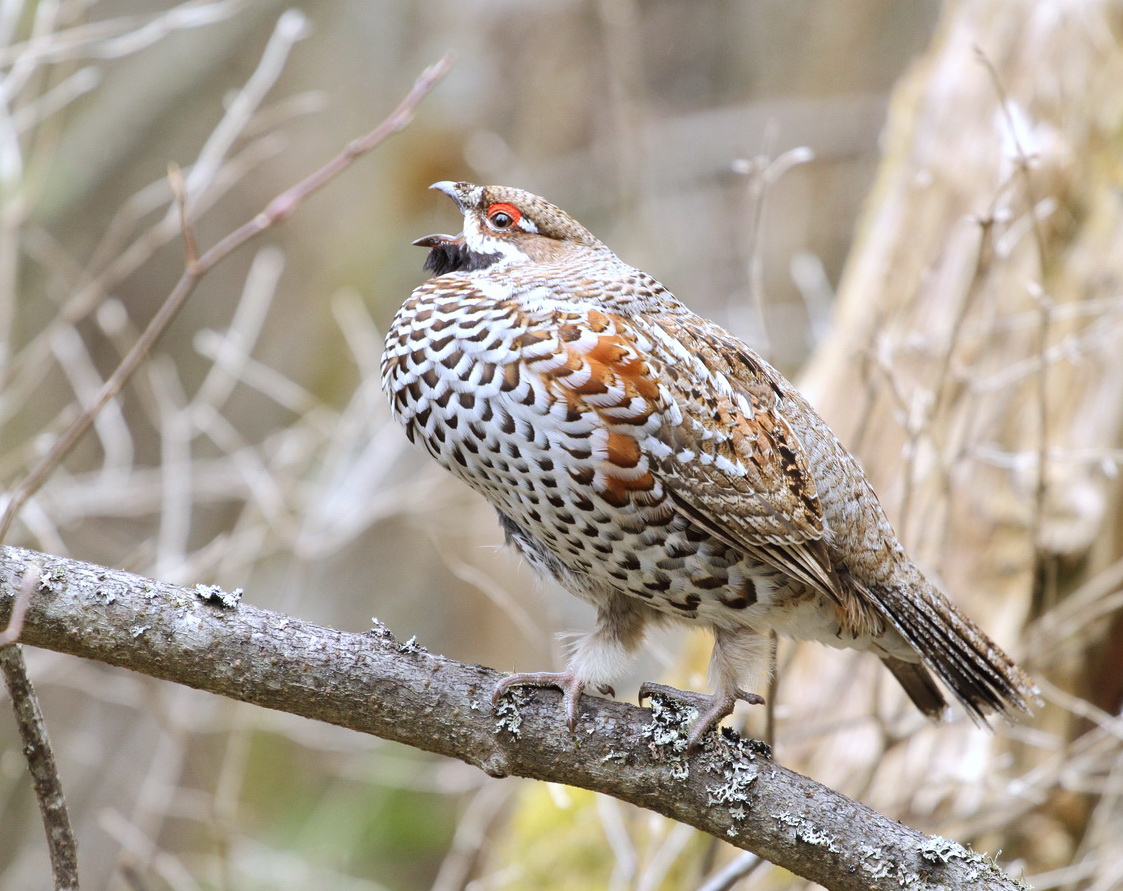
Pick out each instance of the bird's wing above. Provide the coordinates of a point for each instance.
(691, 412)
(729, 457)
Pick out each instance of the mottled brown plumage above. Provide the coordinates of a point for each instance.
(657, 467)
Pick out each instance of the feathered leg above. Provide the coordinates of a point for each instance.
(596, 659)
(739, 656)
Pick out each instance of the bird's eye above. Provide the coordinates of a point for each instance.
(503, 216)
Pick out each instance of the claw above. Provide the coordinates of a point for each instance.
(711, 707)
(565, 681)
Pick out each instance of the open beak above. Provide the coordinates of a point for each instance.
(432, 241)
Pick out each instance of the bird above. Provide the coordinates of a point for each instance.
(659, 469)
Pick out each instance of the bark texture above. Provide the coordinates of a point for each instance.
(373, 683)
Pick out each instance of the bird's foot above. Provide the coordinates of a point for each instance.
(566, 681)
(711, 707)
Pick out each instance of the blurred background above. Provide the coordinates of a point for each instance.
(728, 148)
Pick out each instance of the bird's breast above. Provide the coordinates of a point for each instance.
(487, 388)
(560, 421)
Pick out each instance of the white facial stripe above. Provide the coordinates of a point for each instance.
(480, 240)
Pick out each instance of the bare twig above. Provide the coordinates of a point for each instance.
(278, 210)
(763, 172)
(398, 691)
(63, 849)
(1021, 157)
(469, 842)
(1022, 166)
(1041, 394)
(179, 194)
(207, 179)
(113, 37)
(730, 874)
(61, 844)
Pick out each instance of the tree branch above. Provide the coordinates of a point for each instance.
(61, 844)
(374, 684)
(37, 748)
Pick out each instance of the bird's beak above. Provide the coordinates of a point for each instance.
(432, 241)
(450, 188)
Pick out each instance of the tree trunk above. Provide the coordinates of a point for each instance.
(975, 368)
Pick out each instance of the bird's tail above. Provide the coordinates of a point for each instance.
(975, 669)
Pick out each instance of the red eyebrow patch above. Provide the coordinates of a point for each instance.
(500, 207)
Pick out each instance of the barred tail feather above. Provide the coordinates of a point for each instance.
(982, 677)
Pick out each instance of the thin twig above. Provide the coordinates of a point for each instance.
(1041, 393)
(179, 195)
(61, 844)
(111, 38)
(279, 209)
(469, 842)
(763, 172)
(1021, 157)
(208, 178)
(729, 875)
(41, 763)
(1022, 166)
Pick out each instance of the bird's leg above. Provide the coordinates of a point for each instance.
(566, 681)
(737, 655)
(712, 707)
(595, 659)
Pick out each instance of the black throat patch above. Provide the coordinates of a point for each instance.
(451, 256)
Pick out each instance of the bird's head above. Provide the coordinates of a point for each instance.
(503, 226)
